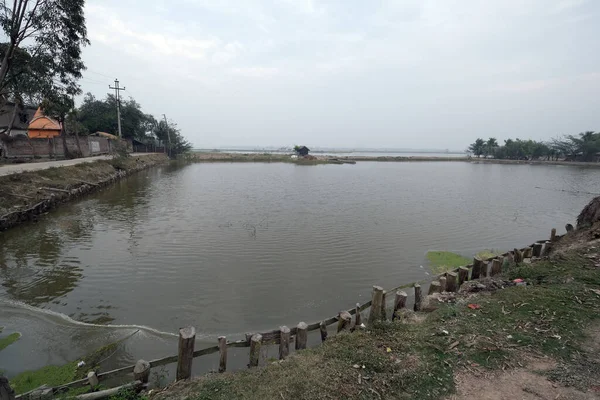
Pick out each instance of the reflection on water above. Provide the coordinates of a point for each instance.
(233, 248)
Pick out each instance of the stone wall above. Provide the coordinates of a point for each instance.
(23, 147)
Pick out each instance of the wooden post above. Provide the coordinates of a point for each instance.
(537, 250)
(547, 249)
(255, 343)
(284, 343)
(463, 275)
(434, 287)
(496, 267)
(92, 378)
(383, 301)
(323, 329)
(517, 256)
(301, 336)
(442, 281)
(399, 302)
(451, 282)
(357, 321)
(141, 371)
(484, 269)
(553, 235)
(418, 297)
(222, 353)
(376, 300)
(477, 266)
(185, 355)
(344, 321)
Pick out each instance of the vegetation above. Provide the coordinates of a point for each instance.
(583, 147)
(443, 261)
(99, 115)
(56, 375)
(8, 340)
(42, 59)
(419, 358)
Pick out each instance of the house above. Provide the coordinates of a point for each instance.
(42, 126)
(302, 151)
(20, 118)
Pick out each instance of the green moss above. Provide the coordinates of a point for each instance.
(443, 261)
(10, 339)
(51, 375)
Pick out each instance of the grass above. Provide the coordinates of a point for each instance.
(418, 360)
(443, 261)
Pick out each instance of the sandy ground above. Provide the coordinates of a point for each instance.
(9, 169)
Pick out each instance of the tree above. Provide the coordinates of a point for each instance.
(171, 136)
(54, 30)
(101, 115)
(587, 145)
(490, 146)
(478, 147)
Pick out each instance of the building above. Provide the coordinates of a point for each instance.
(302, 151)
(43, 127)
(20, 118)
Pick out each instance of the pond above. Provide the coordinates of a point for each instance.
(236, 248)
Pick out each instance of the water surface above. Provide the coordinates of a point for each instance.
(235, 248)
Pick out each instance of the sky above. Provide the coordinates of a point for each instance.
(412, 74)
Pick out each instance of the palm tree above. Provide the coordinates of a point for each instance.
(478, 147)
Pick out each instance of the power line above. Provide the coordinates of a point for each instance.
(98, 73)
(118, 97)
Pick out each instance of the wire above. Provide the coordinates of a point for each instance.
(98, 73)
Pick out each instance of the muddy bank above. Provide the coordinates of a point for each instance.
(27, 195)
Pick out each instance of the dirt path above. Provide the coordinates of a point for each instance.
(10, 169)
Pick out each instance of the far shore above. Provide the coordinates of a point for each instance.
(326, 159)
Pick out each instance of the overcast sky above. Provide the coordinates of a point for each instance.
(352, 73)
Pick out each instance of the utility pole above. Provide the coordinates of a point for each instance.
(168, 133)
(118, 98)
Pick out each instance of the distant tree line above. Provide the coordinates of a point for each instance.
(582, 147)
